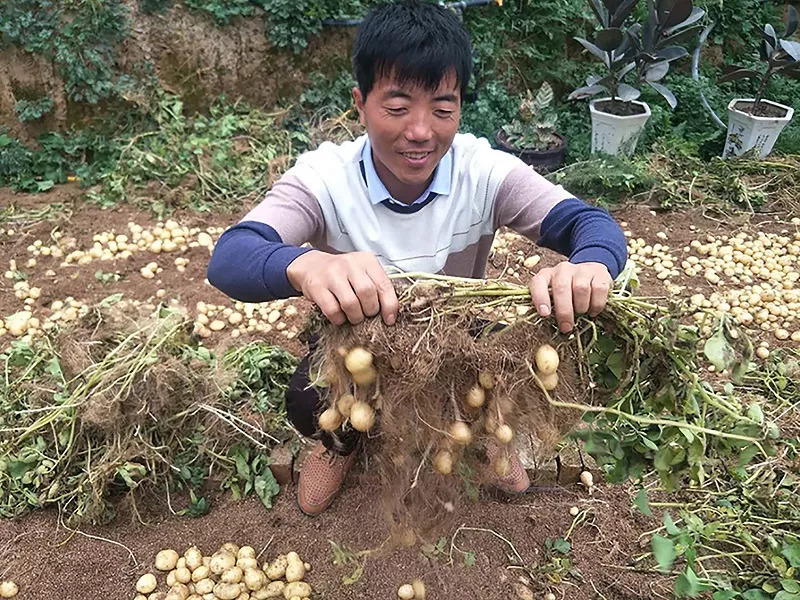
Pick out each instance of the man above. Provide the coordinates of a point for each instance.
(414, 194)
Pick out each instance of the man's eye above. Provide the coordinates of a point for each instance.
(395, 111)
(445, 114)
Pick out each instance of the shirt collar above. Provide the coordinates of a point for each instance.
(378, 193)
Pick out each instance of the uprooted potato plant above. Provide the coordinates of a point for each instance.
(127, 397)
(470, 367)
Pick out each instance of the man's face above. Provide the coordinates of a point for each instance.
(410, 129)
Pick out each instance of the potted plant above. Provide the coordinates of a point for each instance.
(641, 53)
(756, 123)
(531, 135)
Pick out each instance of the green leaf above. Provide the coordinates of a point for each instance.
(718, 351)
(790, 585)
(664, 551)
(669, 524)
(725, 595)
(792, 554)
(616, 364)
(755, 413)
(561, 545)
(641, 502)
(746, 455)
(756, 594)
(267, 487)
(688, 584)
(787, 596)
(469, 559)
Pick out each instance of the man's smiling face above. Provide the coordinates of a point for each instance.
(410, 129)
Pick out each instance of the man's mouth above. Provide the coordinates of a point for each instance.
(416, 155)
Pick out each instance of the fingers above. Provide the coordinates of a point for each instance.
(366, 292)
(581, 291)
(348, 301)
(601, 287)
(329, 305)
(389, 304)
(540, 291)
(561, 284)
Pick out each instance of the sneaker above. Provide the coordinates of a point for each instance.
(516, 480)
(321, 478)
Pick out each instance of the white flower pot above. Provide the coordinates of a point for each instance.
(616, 135)
(746, 132)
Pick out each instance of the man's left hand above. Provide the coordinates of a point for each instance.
(577, 289)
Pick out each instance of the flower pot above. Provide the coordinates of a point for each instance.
(746, 131)
(617, 134)
(543, 161)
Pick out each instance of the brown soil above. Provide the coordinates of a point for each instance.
(619, 108)
(46, 561)
(762, 110)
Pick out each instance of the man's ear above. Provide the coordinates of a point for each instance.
(358, 100)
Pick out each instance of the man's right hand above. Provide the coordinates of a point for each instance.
(346, 287)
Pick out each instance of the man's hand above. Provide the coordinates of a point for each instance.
(346, 287)
(577, 289)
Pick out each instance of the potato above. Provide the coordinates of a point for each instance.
(476, 396)
(8, 589)
(194, 558)
(230, 547)
(345, 403)
(209, 597)
(504, 434)
(226, 591)
(243, 596)
(232, 575)
(362, 416)
(297, 588)
(178, 592)
(246, 552)
(274, 589)
(247, 562)
(443, 462)
(278, 568)
(502, 466)
(181, 563)
(295, 569)
(486, 380)
(195, 597)
(365, 378)
(254, 579)
(166, 560)
(221, 562)
(419, 589)
(546, 359)
(147, 584)
(204, 586)
(405, 592)
(136, 597)
(171, 579)
(461, 433)
(157, 596)
(183, 575)
(200, 573)
(358, 360)
(330, 419)
(549, 381)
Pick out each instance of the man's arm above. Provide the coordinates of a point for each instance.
(550, 216)
(259, 259)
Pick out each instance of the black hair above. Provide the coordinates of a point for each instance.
(416, 42)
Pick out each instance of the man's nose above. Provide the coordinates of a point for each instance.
(419, 129)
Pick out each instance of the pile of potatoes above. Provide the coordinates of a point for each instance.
(231, 573)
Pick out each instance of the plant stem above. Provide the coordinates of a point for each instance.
(760, 91)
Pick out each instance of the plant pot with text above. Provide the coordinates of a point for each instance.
(617, 125)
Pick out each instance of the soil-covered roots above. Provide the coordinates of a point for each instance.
(469, 368)
(127, 397)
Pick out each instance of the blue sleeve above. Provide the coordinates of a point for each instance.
(585, 234)
(249, 263)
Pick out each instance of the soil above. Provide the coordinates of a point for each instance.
(47, 561)
(762, 110)
(619, 108)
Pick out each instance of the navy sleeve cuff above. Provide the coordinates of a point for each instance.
(597, 255)
(274, 274)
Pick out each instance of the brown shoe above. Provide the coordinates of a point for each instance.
(516, 480)
(321, 478)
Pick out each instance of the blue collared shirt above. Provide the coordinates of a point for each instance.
(378, 193)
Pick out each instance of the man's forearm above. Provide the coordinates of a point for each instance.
(249, 263)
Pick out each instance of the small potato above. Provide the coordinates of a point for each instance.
(345, 403)
(486, 380)
(147, 584)
(232, 575)
(546, 359)
(226, 591)
(549, 381)
(157, 596)
(297, 588)
(194, 558)
(171, 578)
(138, 597)
(330, 419)
(358, 360)
(221, 562)
(504, 434)
(246, 552)
(261, 595)
(476, 396)
(277, 569)
(405, 592)
(166, 560)
(443, 462)
(295, 569)
(366, 377)
(230, 547)
(254, 579)
(273, 590)
(243, 596)
(200, 573)
(195, 597)
(183, 575)
(204, 586)
(178, 591)
(461, 433)
(419, 589)
(247, 562)
(362, 416)
(181, 563)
